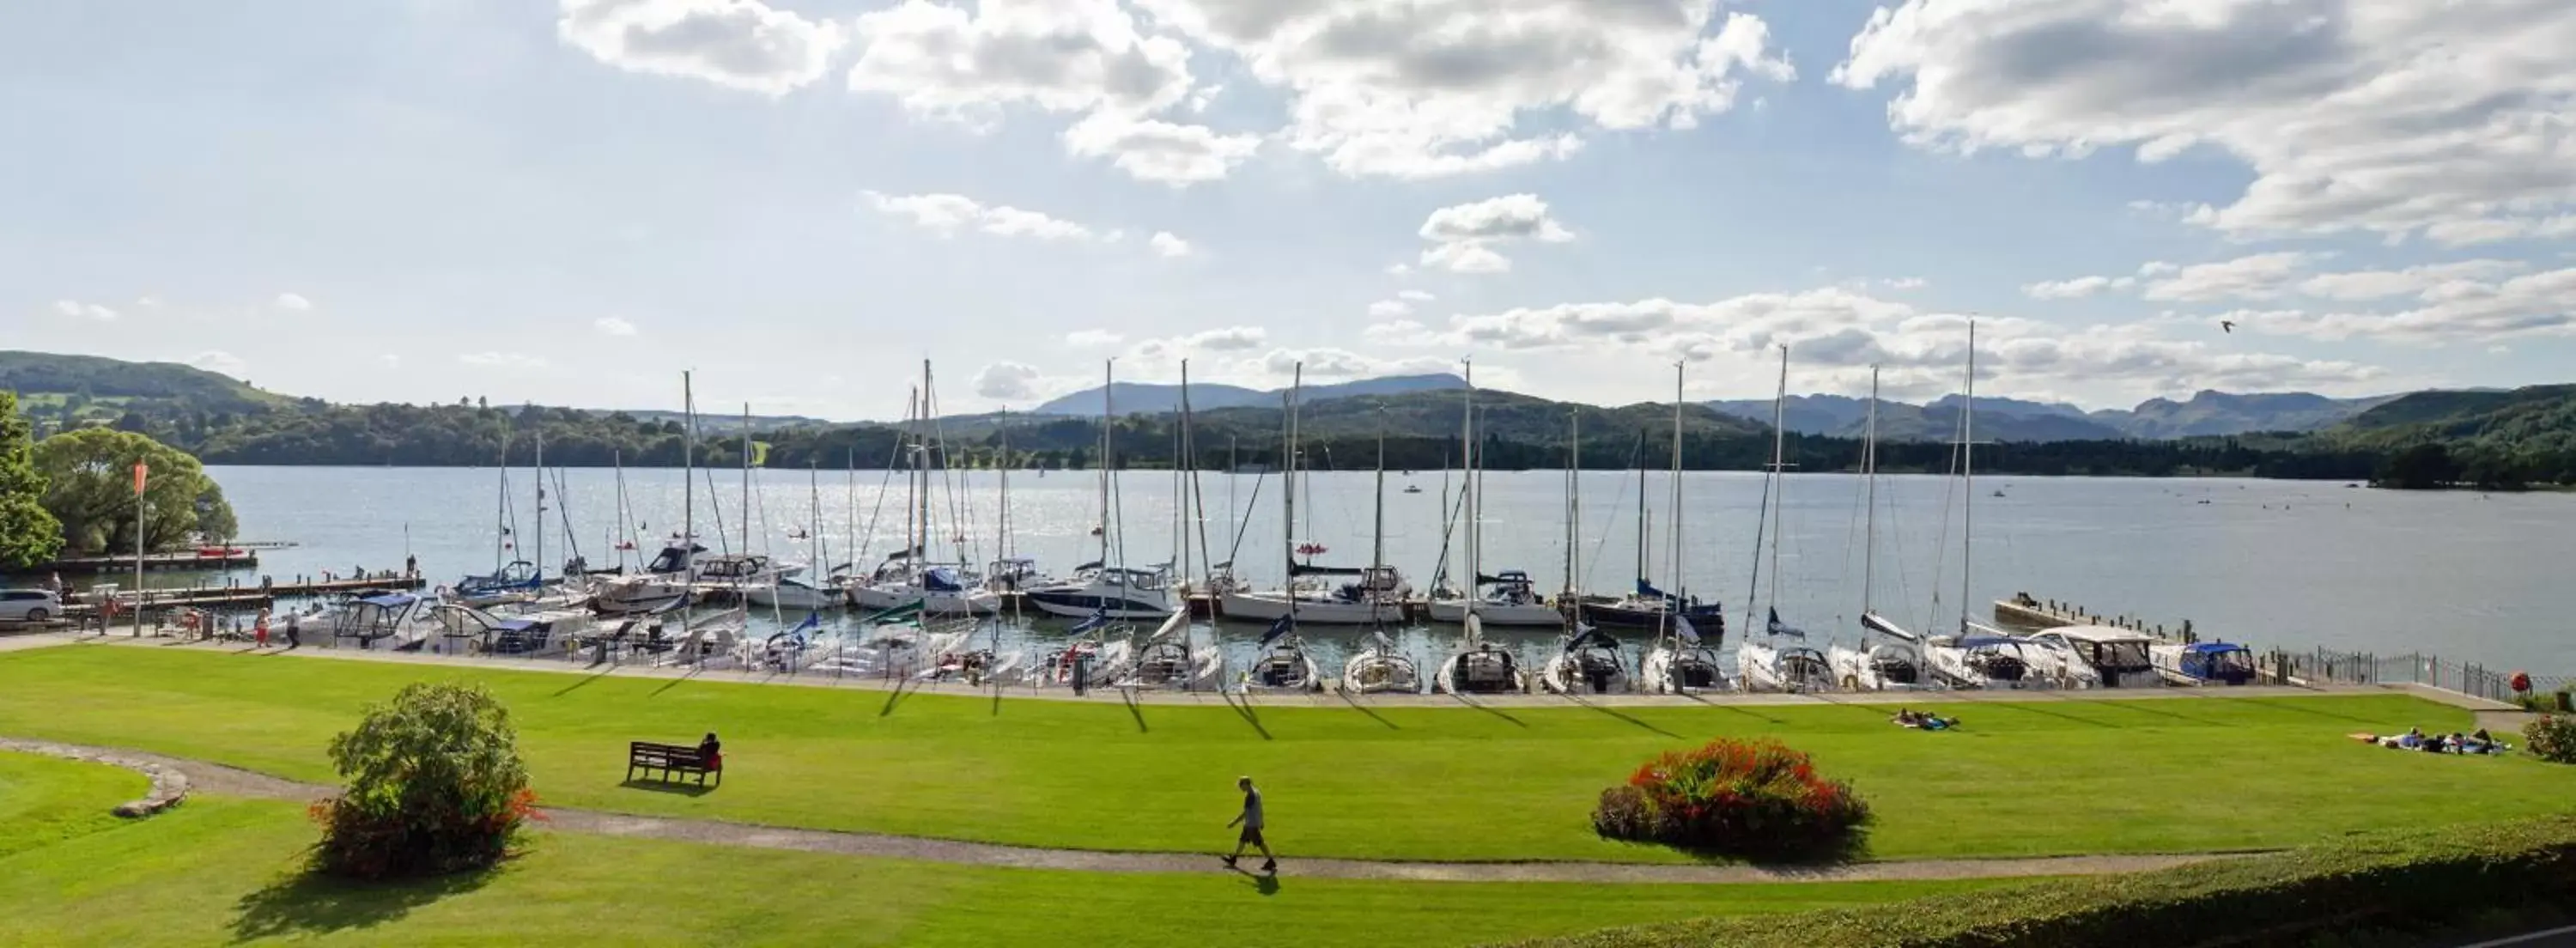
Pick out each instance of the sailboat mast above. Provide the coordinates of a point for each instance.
(1377, 517)
(1573, 501)
(1004, 467)
(1288, 494)
(746, 479)
(539, 563)
(1869, 521)
(1968, 468)
(1475, 544)
(1680, 585)
(1108, 418)
(1779, 472)
(921, 497)
(1197, 490)
(688, 465)
(500, 505)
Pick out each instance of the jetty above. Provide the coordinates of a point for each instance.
(83, 605)
(2029, 611)
(209, 560)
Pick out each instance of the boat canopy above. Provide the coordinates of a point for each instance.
(390, 600)
(1986, 641)
(2101, 633)
(1305, 569)
(941, 579)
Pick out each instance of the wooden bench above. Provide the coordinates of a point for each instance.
(673, 761)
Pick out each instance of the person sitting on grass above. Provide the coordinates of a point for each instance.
(1907, 718)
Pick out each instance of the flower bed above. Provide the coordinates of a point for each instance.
(1751, 798)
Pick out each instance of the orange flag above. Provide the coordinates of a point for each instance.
(140, 470)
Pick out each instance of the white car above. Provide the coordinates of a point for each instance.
(28, 605)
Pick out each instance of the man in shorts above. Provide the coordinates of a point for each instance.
(1250, 820)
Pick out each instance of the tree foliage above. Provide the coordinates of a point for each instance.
(89, 488)
(433, 784)
(29, 534)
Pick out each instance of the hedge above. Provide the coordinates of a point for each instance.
(2367, 884)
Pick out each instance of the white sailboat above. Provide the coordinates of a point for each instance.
(1975, 657)
(1375, 597)
(1679, 662)
(1888, 658)
(1378, 667)
(1587, 663)
(786, 592)
(1781, 660)
(1107, 586)
(940, 590)
(669, 577)
(1507, 598)
(1477, 666)
(1167, 660)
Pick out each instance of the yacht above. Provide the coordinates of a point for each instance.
(1588, 664)
(1378, 668)
(1118, 592)
(1511, 599)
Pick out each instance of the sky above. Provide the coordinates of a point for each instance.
(803, 200)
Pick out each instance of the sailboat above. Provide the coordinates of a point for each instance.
(1377, 667)
(1889, 658)
(1975, 657)
(1771, 664)
(666, 580)
(1375, 597)
(937, 589)
(516, 579)
(1106, 586)
(1512, 600)
(1679, 662)
(1477, 666)
(787, 592)
(1166, 660)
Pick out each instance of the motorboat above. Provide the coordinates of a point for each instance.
(381, 621)
(1014, 574)
(1378, 668)
(1511, 599)
(1650, 608)
(1588, 664)
(1887, 659)
(1480, 667)
(2118, 657)
(464, 630)
(1375, 598)
(2055, 664)
(667, 577)
(1117, 592)
(939, 590)
(744, 569)
(517, 578)
(2204, 663)
(1981, 660)
(1769, 665)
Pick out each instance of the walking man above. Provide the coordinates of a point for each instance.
(1250, 820)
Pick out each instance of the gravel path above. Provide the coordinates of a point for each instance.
(203, 777)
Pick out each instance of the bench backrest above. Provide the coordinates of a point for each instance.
(672, 753)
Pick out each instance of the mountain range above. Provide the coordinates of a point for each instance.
(2012, 419)
(1128, 398)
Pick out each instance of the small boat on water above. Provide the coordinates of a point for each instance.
(1284, 664)
(1378, 668)
(1680, 663)
(1119, 592)
(1168, 660)
(2204, 663)
(1771, 665)
(1982, 659)
(787, 593)
(1888, 658)
(1513, 600)
(2117, 657)
(1589, 663)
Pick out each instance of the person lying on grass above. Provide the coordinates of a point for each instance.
(1926, 721)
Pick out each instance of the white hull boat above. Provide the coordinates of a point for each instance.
(1314, 609)
(1589, 664)
(1117, 594)
(791, 594)
(1681, 669)
(1380, 669)
(1496, 612)
(1887, 666)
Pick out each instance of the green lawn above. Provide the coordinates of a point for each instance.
(44, 800)
(218, 870)
(1413, 782)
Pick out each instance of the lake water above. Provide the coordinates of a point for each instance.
(2296, 564)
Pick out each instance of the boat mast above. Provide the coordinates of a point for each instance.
(1869, 521)
(1108, 418)
(1467, 483)
(921, 438)
(1968, 467)
(1377, 517)
(501, 540)
(538, 573)
(1573, 509)
(1004, 467)
(688, 470)
(1197, 490)
(746, 480)
(1674, 600)
(1779, 482)
(1288, 493)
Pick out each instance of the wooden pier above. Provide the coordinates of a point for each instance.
(237, 597)
(2028, 611)
(156, 562)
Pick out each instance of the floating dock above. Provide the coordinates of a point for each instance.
(157, 562)
(2029, 611)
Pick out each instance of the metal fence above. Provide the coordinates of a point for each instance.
(2323, 666)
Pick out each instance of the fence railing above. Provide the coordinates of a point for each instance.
(2324, 666)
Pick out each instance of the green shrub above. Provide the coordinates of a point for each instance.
(1751, 798)
(2388, 887)
(434, 785)
(2551, 737)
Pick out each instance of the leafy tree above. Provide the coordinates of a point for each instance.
(89, 488)
(28, 533)
(2421, 467)
(434, 784)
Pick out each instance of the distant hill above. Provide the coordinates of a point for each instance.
(67, 390)
(2207, 413)
(1133, 397)
(712, 422)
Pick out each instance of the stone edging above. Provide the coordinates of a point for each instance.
(169, 784)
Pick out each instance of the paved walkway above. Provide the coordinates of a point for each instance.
(561, 665)
(211, 778)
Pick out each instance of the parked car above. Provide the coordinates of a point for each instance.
(28, 605)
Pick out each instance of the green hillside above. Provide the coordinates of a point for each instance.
(69, 390)
(2499, 439)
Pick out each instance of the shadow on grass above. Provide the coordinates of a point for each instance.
(1134, 710)
(675, 682)
(1820, 858)
(895, 696)
(1730, 706)
(1242, 705)
(1266, 883)
(1488, 709)
(675, 788)
(1365, 709)
(307, 903)
(587, 679)
(2033, 707)
(1621, 715)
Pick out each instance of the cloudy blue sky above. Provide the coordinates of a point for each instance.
(801, 199)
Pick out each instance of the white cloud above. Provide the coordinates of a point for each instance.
(946, 214)
(1007, 381)
(1329, 363)
(612, 326)
(739, 44)
(147, 302)
(294, 302)
(1437, 87)
(1092, 338)
(2456, 310)
(1159, 151)
(2375, 284)
(1057, 55)
(2260, 276)
(1399, 269)
(1417, 296)
(1399, 332)
(507, 361)
(1228, 339)
(2352, 114)
(1463, 235)
(1388, 309)
(219, 362)
(2493, 229)
(1166, 245)
(80, 310)
(2077, 288)
(1906, 283)
(390, 360)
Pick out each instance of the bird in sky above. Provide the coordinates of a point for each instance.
(2227, 327)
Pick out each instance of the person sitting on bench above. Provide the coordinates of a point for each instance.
(712, 751)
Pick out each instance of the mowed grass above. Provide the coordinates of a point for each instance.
(218, 871)
(1392, 782)
(44, 800)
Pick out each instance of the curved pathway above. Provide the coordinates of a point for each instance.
(218, 779)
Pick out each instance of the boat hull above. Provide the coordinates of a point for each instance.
(1083, 603)
(1668, 671)
(1271, 607)
(1454, 611)
(1374, 672)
